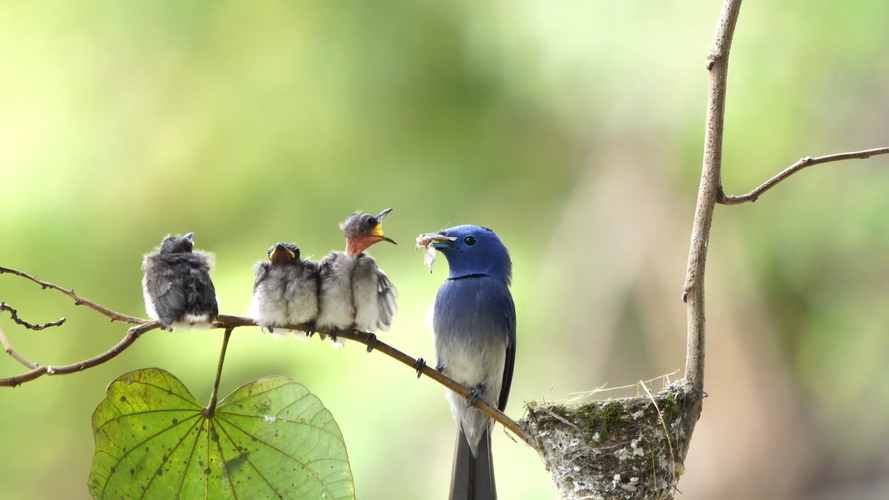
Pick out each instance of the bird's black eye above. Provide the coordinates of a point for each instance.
(372, 221)
(469, 240)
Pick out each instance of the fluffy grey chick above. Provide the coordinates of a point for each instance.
(355, 292)
(285, 291)
(176, 284)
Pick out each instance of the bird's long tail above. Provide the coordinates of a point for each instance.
(473, 476)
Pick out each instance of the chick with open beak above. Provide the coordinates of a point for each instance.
(355, 292)
(285, 291)
(362, 230)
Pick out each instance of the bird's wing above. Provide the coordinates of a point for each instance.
(207, 301)
(262, 272)
(387, 297)
(509, 363)
(201, 294)
(165, 286)
(313, 274)
(366, 269)
(325, 267)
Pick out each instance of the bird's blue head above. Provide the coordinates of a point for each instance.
(474, 250)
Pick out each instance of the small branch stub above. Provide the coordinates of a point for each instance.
(14, 315)
(802, 163)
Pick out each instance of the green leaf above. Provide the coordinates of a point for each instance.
(268, 439)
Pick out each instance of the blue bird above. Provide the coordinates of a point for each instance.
(475, 341)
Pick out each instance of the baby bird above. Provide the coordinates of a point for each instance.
(355, 292)
(286, 289)
(176, 284)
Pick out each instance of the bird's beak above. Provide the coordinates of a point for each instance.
(280, 251)
(189, 236)
(377, 233)
(437, 241)
(443, 243)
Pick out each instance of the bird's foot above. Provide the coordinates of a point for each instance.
(270, 329)
(310, 329)
(440, 368)
(475, 394)
(420, 365)
(371, 341)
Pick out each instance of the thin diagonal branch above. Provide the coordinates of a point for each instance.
(78, 300)
(374, 344)
(79, 366)
(7, 346)
(14, 314)
(802, 163)
(229, 323)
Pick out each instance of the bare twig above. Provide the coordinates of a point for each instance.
(79, 366)
(229, 323)
(802, 163)
(78, 300)
(7, 346)
(708, 192)
(14, 314)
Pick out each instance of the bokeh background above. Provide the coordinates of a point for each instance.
(574, 130)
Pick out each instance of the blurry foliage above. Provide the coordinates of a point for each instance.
(251, 123)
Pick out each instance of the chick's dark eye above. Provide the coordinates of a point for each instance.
(469, 240)
(372, 221)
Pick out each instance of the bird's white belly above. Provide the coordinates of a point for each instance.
(475, 363)
(267, 308)
(302, 301)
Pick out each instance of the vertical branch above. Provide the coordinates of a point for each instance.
(211, 406)
(708, 192)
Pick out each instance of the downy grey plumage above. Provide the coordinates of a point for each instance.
(176, 284)
(355, 292)
(285, 291)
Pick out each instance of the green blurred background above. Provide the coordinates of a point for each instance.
(574, 130)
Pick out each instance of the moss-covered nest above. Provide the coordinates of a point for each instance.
(621, 448)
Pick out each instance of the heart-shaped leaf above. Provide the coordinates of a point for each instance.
(268, 439)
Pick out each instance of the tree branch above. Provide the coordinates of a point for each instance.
(7, 346)
(229, 323)
(374, 344)
(78, 300)
(30, 326)
(79, 366)
(802, 163)
(708, 192)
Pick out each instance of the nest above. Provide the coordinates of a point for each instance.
(621, 448)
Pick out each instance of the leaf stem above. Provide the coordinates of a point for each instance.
(211, 406)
